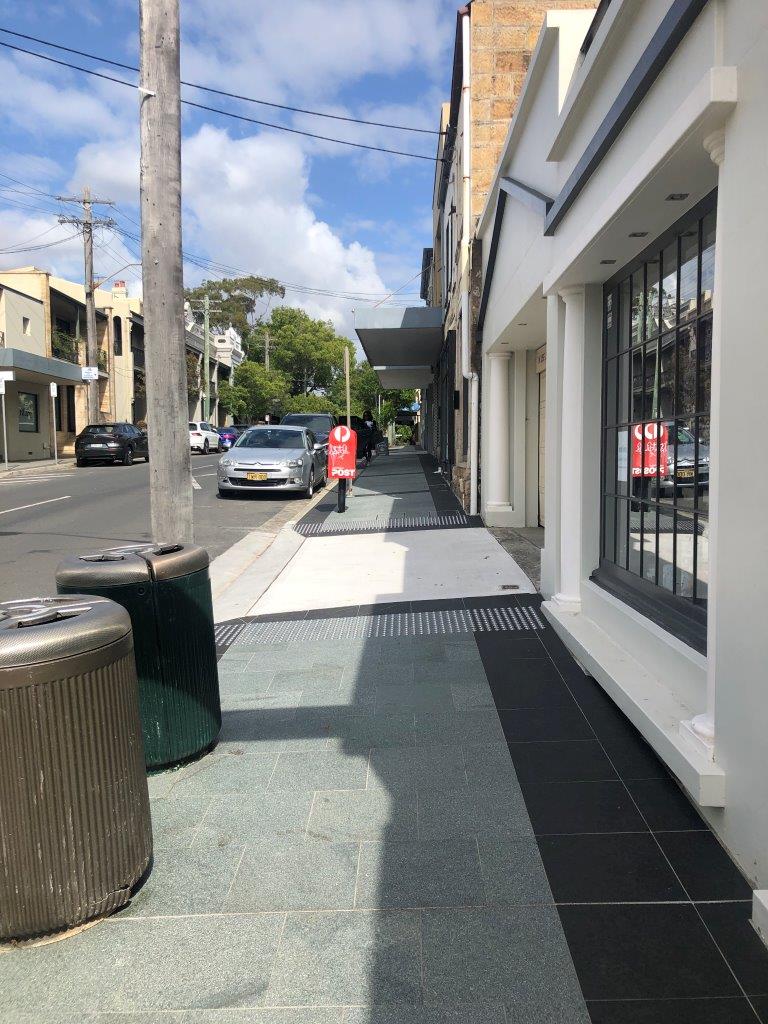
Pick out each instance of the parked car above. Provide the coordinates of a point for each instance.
(273, 459)
(320, 423)
(111, 442)
(686, 472)
(228, 436)
(203, 438)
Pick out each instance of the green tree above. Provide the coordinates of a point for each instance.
(254, 391)
(311, 403)
(308, 351)
(236, 298)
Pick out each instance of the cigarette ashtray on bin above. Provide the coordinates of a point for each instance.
(166, 590)
(75, 830)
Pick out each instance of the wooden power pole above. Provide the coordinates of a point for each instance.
(166, 377)
(86, 223)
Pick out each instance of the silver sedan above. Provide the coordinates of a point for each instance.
(273, 459)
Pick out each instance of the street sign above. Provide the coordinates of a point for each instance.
(54, 388)
(90, 373)
(6, 375)
(342, 453)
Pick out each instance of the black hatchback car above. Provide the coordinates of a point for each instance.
(111, 442)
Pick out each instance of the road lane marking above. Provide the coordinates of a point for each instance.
(20, 508)
(196, 486)
(206, 474)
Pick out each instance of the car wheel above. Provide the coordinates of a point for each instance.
(79, 462)
(310, 489)
(146, 457)
(206, 446)
(128, 456)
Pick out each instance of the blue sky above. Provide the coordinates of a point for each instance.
(306, 212)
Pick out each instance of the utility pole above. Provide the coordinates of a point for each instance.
(346, 377)
(167, 408)
(206, 378)
(86, 223)
(206, 357)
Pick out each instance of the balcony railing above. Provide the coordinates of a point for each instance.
(64, 346)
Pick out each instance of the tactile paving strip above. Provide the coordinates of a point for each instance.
(393, 625)
(427, 520)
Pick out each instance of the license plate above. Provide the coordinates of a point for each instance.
(257, 476)
(685, 473)
(96, 444)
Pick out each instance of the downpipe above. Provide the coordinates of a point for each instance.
(466, 233)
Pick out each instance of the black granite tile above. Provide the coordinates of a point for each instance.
(629, 752)
(703, 866)
(626, 868)
(564, 761)
(385, 608)
(742, 947)
(761, 1008)
(672, 1011)
(646, 951)
(498, 649)
(559, 723)
(572, 808)
(664, 805)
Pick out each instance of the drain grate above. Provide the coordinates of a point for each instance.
(384, 524)
(393, 625)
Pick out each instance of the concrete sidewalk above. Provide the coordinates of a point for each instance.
(418, 812)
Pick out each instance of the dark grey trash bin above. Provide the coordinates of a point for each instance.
(75, 830)
(167, 591)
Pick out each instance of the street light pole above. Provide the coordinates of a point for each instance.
(166, 384)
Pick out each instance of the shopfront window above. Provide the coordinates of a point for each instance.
(28, 421)
(657, 356)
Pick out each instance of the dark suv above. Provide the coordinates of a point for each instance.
(111, 442)
(320, 423)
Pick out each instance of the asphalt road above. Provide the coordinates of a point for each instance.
(44, 518)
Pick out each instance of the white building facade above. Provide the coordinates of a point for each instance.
(623, 262)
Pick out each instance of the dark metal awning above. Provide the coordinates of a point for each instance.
(402, 345)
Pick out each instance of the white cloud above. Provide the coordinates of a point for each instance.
(247, 205)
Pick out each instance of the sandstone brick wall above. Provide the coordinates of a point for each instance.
(504, 33)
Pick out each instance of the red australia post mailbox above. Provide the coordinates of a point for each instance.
(342, 453)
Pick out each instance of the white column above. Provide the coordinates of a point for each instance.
(550, 556)
(519, 437)
(496, 472)
(569, 593)
(701, 728)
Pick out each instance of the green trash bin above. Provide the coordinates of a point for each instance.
(166, 590)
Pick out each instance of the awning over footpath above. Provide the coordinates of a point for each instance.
(32, 368)
(402, 345)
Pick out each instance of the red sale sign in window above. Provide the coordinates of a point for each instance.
(342, 453)
(650, 449)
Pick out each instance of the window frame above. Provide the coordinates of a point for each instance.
(24, 428)
(684, 616)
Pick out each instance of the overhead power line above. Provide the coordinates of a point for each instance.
(226, 113)
(222, 92)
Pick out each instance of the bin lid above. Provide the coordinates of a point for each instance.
(113, 568)
(167, 561)
(43, 629)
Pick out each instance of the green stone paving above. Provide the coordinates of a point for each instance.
(356, 850)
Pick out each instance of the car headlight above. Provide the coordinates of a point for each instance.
(113, 444)
(226, 462)
(293, 463)
(705, 459)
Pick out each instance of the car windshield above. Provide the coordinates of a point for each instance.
(317, 423)
(266, 438)
(101, 428)
(193, 426)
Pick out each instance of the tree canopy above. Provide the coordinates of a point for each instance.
(236, 298)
